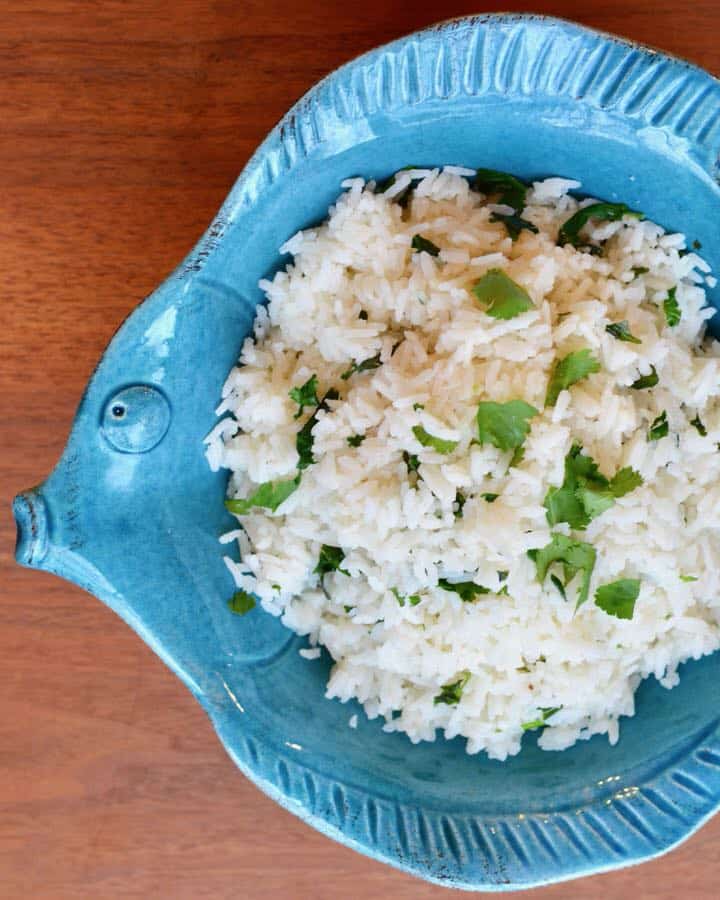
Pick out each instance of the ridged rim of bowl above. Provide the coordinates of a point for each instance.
(476, 56)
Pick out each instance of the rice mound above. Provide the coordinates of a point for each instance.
(522, 654)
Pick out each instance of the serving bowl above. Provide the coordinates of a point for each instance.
(132, 512)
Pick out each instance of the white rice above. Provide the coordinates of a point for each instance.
(528, 649)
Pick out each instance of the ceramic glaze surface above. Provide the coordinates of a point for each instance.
(132, 513)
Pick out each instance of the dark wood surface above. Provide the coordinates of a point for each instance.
(123, 126)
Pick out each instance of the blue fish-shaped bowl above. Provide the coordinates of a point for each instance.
(132, 512)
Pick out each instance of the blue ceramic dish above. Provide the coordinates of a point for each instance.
(132, 513)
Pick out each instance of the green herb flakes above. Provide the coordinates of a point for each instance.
(504, 425)
(268, 495)
(689, 578)
(646, 381)
(698, 426)
(621, 332)
(618, 598)
(329, 560)
(418, 406)
(602, 212)
(659, 428)
(502, 297)
(575, 556)
(460, 501)
(452, 692)
(568, 371)
(241, 602)
(365, 366)
(559, 585)
(511, 190)
(671, 308)
(514, 224)
(304, 438)
(305, 395)
(355, 440)
(467, 591)
(428, 440)
(423, 245)
(412, 599)
(639, 270)
(545, 713)
(411, 461)
(489, 497)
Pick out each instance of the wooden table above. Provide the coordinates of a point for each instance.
(123, 126)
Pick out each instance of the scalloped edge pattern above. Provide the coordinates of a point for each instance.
(495, 853)
(501, 55)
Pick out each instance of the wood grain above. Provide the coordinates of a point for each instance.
(123, 126)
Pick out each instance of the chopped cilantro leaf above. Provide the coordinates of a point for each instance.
(621, 331)
(585, 492)
(618, 598)
(514, 224)
(583, 485)
(639, 270)
(304, 438)
(559, 585)
(646, 381)
(269, 495)
(372, 363)
(428, 440)
(489, 497)
(452, 692)
(504, 425)
(517, 457)
(545, 713)
(659, 428)
(412, 599)
(329, 560)
(356, 439)
(305, 395)
(241, 602)
(503, 298)
(568, 371)
(512, 191)
(411, 461)
(698, 426)
(604, 212)
(576, 556)
(466, 590)
(423, 245)
(689, 578)
(418, 406)
(671, 308)
(460, 501)
(624, 481)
